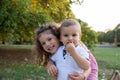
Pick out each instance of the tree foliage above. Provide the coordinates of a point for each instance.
(110, 36)
(89, 36)
(101, 37)
(19, 19)
(57, 9)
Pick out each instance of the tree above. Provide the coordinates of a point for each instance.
(101, 36)
(57, 9)
(117, 33)
(89, 36)
(18, 22)
(110, 36)
(19, 19)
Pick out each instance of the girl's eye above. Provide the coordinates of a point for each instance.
(43, 43)
(49, 39)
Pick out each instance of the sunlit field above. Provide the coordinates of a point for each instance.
(108, 60)
(107, 57)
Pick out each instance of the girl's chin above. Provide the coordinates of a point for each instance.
(52, 53)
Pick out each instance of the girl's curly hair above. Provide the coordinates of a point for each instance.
(42, 56)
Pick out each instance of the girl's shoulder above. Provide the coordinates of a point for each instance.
(61, 48)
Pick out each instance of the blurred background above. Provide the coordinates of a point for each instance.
(19, 20)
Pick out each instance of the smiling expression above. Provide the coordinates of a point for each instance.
(49, 42)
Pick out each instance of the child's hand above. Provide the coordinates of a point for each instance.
(76, 76)
(70, 47)
(51, 69)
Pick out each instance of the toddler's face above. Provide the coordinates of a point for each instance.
(49, 41)
(70, 34)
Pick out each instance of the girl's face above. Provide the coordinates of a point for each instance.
(70, 34)
(49, 42)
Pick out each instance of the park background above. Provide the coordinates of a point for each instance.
(18, 22)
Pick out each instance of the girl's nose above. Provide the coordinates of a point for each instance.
(47, 43)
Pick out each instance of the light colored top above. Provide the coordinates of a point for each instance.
(66, 64)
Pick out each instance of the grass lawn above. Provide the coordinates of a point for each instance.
(107, 58)
(23, 72)
(17, 46)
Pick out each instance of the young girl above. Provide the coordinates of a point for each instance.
(47, 43)
(46, 33)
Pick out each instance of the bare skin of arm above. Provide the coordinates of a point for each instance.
(82, 63)
(78, 76)
(52, 70)
(82, 76)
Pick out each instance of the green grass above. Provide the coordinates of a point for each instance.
(107, 59)
(23, 72)
(17, 46)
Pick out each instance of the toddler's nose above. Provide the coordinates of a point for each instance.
(70, 37)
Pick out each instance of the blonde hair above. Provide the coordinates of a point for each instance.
(70, 22)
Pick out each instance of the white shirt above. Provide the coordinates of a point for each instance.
(66, 64)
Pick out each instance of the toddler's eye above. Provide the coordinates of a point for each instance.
(74, 35)
(66, 35)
